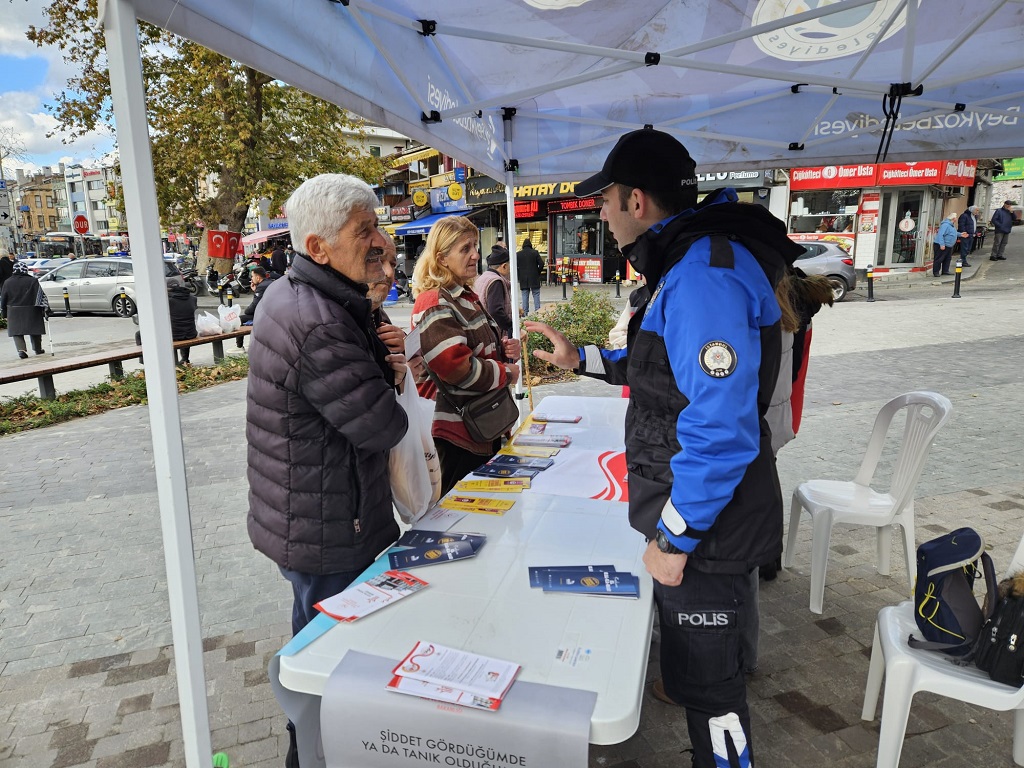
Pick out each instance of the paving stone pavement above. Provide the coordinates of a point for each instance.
(86, 668)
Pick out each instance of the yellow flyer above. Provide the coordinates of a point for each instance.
(498, 485)
(529, 452)
(478, 505)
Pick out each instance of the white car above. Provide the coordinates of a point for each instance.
(95, 285)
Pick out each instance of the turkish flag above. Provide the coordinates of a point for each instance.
(221, 244)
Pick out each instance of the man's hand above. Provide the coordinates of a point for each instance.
(565, 355)
(513, 373)
(664, 569)
(393, 338)
(399, 366)
(512, 348)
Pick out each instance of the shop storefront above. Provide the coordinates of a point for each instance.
(883, 214)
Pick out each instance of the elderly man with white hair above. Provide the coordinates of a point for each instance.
(322, 409)
(968, 225)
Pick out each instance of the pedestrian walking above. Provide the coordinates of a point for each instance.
(529, 266)
(701, 360)
(322, 411)
(942, 245)
(6, 266)
(1002, 223)
(24, 305)
(968, 226)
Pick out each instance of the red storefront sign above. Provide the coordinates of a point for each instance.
(833, 177)
(956, 173)
(574, 204)
(527, 209)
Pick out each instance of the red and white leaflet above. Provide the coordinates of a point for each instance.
(440, 665)
(426, 690)
(362, 599)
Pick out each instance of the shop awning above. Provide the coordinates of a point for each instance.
(412, 157)
(263, 235)
(422, 226)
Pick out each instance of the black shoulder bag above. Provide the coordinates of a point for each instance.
(489, 415)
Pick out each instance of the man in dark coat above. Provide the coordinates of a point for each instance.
(261, 280)
(529, 265)
(278, 261)
(967, 225)
(493, 289)
(322, 409)
(182, 305)
(6, 266)
(24, 305)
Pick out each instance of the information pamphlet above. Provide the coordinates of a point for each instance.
(492, 470)
(439, 665)
(441, 519)
(478, 504)
(446, 693)
(423, 538)
(497, 485)
(363, 599)
(525, 450)
(539, 574)
(432, 555)
(556, 418)
(520, 461)
(545, 441)
(600, 581)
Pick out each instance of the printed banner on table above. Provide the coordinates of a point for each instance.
(595, 475)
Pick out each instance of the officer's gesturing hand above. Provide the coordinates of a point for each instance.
(566, 355)
(664, 568)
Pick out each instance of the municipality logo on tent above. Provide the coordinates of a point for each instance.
(827, 37)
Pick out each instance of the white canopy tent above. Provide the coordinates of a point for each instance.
(538, 90)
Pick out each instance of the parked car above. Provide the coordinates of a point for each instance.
(47, 265)
(831, 260)
(95, 285)
(32, 263)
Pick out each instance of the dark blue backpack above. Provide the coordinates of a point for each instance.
(945, 607)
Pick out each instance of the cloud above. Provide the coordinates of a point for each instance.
(25, 110)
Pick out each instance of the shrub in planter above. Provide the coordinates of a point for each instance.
(585, 319)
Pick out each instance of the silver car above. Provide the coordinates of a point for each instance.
(831, 260)
(97, 285)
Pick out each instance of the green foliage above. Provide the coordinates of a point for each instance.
(18, 414)
(585, 319)
(208, 116)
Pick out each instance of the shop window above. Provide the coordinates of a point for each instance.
(824, 211)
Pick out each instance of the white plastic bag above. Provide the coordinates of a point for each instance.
(207, 325)
(414, 468)
(229, 318)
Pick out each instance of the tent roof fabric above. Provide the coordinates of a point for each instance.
(422, 226)
(750, 84)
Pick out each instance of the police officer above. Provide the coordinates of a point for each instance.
(701, 362)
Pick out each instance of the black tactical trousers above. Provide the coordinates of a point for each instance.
(702, 665)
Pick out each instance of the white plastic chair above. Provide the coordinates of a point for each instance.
(835, 501)
(908, 670)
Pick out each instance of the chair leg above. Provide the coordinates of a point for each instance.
(884, 548)
(909, 550)
(899, 694)
(821, 521)
(876, 671)
(1018, 736)
(794, 524)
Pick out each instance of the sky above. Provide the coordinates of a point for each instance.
(29, 78)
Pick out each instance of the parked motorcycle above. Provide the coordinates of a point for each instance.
(219, 284)
(191, 278)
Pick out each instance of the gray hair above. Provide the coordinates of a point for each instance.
(323, 204)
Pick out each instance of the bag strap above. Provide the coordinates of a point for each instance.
(441, 387)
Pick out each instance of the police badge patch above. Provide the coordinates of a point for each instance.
(717, 359)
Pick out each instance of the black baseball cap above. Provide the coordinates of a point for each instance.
(647, 159)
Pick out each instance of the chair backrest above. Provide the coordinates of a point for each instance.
(926, 413)
(1017, 564)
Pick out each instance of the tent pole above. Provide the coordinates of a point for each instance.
(129, 101)
(510, 235)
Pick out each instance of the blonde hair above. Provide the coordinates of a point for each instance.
(430, 274)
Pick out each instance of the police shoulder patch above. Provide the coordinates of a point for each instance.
(717, 359)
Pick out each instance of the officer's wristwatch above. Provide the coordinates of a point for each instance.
(666, 546)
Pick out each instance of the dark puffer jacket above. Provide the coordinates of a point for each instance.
(182, 305)
(322, 416)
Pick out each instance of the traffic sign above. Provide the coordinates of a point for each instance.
(80, 224)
